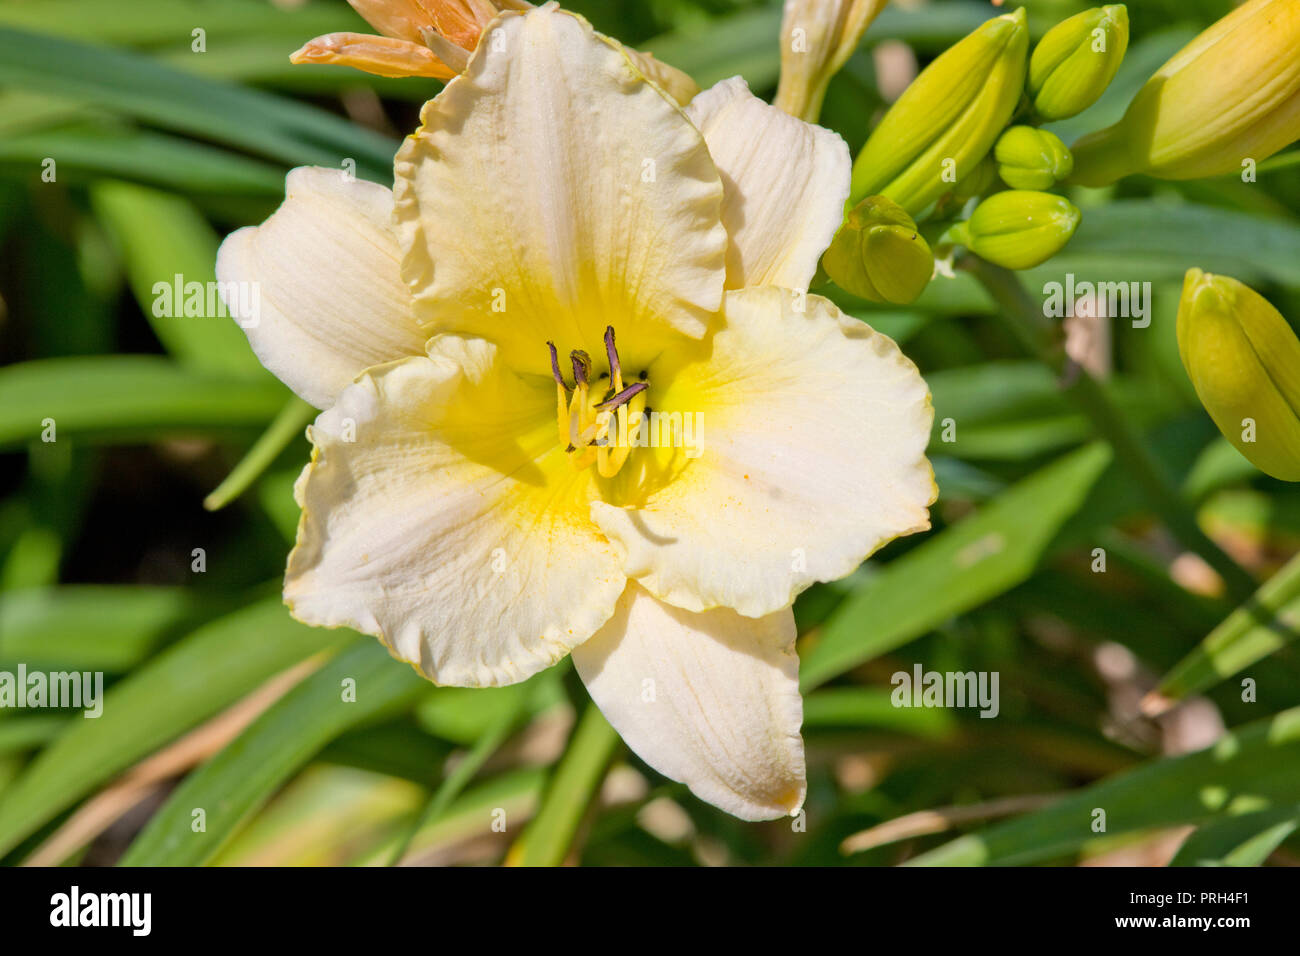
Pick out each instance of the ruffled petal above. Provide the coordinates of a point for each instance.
(785, 184)
(710, 700)
(809, 435)
(551, 191)
(440, 515)
(324, 286)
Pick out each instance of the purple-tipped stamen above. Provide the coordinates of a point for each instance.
(581, 366)
(612, 352)
(555, 365)
(623, 397)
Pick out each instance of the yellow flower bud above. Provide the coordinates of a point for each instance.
(1017, 229)
(1231, 95)
(817, 38)
(1030, 158)
(1244, 362)
(879, 255)
(948, 119)
(1075, 61)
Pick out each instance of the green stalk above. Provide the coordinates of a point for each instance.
(456, 781)
(287, 425)
(1266, 623)
(1042, 339)
(573, 786)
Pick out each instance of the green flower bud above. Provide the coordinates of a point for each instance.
(1030, 158)
(878, 254)
(1017, 229)
(1230, 96)
(1244, 362)
(1075, 61)
(948, 119)
(978, 181)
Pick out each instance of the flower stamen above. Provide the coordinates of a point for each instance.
(586, 419)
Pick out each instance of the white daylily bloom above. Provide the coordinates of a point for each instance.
(471, 504)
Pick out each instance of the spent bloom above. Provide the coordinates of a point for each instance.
(817, 39)
(566, 258)
(435, 38)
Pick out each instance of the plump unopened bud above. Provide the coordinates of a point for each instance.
(1017, 229)
(879, 255)
(948, 119)
(1030, 158)
(817, 38)
(978, 181)
(1075, 61)
(1229, 97)
(1244, 362)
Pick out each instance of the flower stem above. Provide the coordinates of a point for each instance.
(572, 787)
(1043, 340)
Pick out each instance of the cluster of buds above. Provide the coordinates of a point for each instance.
(946, 155)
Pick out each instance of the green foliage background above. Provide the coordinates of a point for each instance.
(218, 700)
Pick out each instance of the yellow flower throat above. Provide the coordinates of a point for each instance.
(593, 422)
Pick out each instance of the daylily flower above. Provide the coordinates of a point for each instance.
(567, 254)
(435, 38)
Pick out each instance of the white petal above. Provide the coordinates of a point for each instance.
(325, 275)
(710, 700)
(551, 191)
(441, 515)
(785, 184)
(811, 432)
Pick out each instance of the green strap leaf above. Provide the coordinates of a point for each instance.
(169, 249)
(137, 86)
(1245, 840)
(191, 681)
(1250, 769)
(983, 556)
(572, 787)
(128, 398)
(238, 780)
(90, 627)
(1267, 622)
